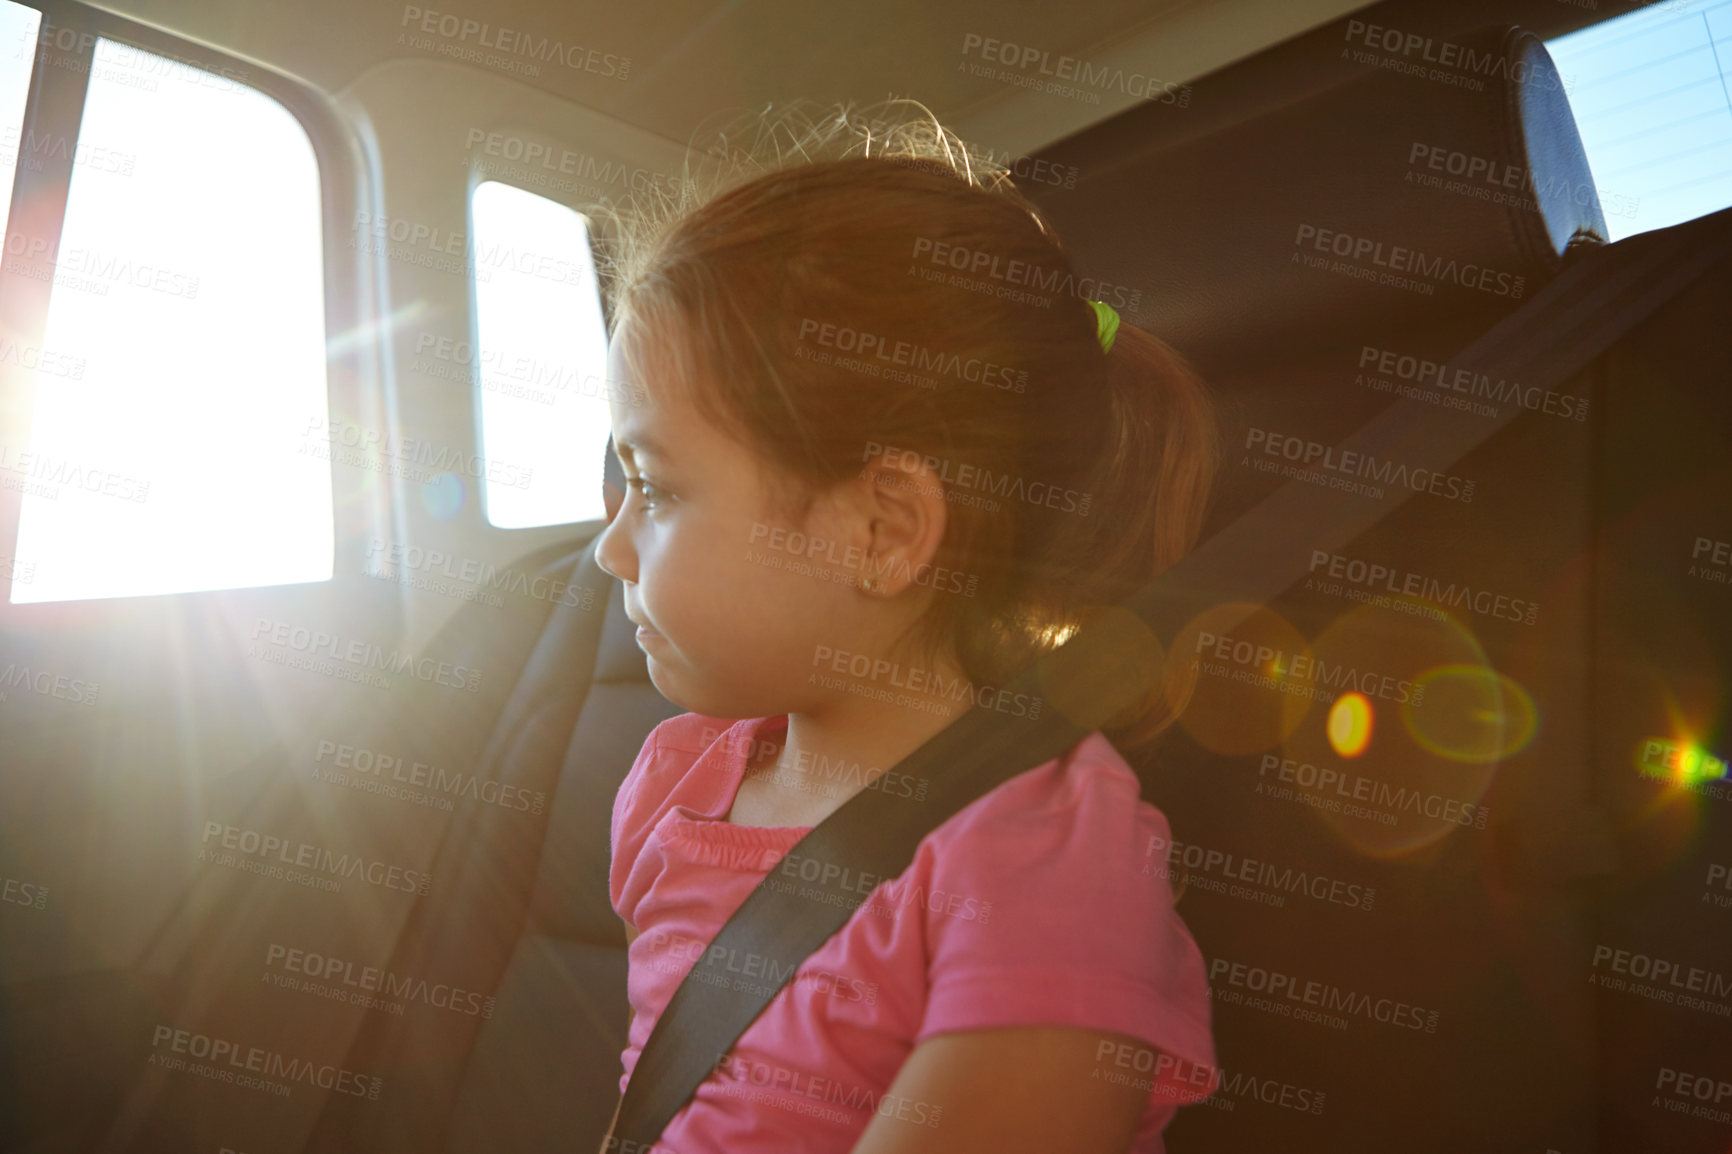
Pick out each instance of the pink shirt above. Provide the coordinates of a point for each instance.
(1042, 902)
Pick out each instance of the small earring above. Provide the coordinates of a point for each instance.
(868, 585)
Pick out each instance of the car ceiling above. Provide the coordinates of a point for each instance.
(690, 58)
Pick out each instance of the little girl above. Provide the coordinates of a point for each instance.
(884, 453)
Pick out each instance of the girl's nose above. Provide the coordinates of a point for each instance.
(613, 552)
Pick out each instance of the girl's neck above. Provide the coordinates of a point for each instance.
(800, 775)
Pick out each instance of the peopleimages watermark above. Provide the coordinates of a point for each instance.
(833, 884)
(541, 164)
(92, 270)
(405, 241)
(502, 370)
(370, 771)
(408, 241)
(357, 656)
(1702, 1088)
(1686, 766)
(1711, 561)
(1383, 801)
(1418, 378)
(430, 569)
(1234, 1085)
(1503, 183)
(252, 1067)
(1069, 76)
(1644, 5)
(961, 481)
(120, 63)
(1662, 980)
(874, 354)
(16, 677)
(798, 1090)
(373, 987)
(983, 270)
(304, 863)
(809, 771)
(1299, 674)
(1314, 462)
(775, 547)
(33, 149)
(1390, 262)
(48, 362)
(510, 49)
(16, 571)
(1230, 867)
(414, 458)
(670, 951)
(43, 475)
(1033, 169)
(1310, 1000)
(924, 688)
(1366, 581)
(1718, 874)
(1415, 54)
(18, 892)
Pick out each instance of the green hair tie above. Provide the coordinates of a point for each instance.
(1106, 324)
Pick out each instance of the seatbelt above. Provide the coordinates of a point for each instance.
(1600, 295)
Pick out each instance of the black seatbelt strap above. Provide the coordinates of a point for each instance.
(1599, 296)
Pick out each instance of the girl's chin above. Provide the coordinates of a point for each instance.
(676, 683)
(675, 695)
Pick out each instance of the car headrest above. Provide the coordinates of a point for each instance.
(1442, 185)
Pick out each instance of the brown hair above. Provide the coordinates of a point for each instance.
(835, 220)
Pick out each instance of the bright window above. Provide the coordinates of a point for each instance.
(1652, 99)
(18, 28)
(170, 453)
(541, 362)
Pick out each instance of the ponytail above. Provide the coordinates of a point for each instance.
(1151, 486)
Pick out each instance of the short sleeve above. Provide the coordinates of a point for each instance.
(631, 823)
(1042, 910)
(667, 753)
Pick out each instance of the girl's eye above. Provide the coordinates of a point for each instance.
(651, 495)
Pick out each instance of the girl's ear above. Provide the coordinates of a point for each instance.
(907, 514)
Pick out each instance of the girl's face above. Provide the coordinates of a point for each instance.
(729, 629)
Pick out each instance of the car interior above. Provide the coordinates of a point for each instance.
(379, 755)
